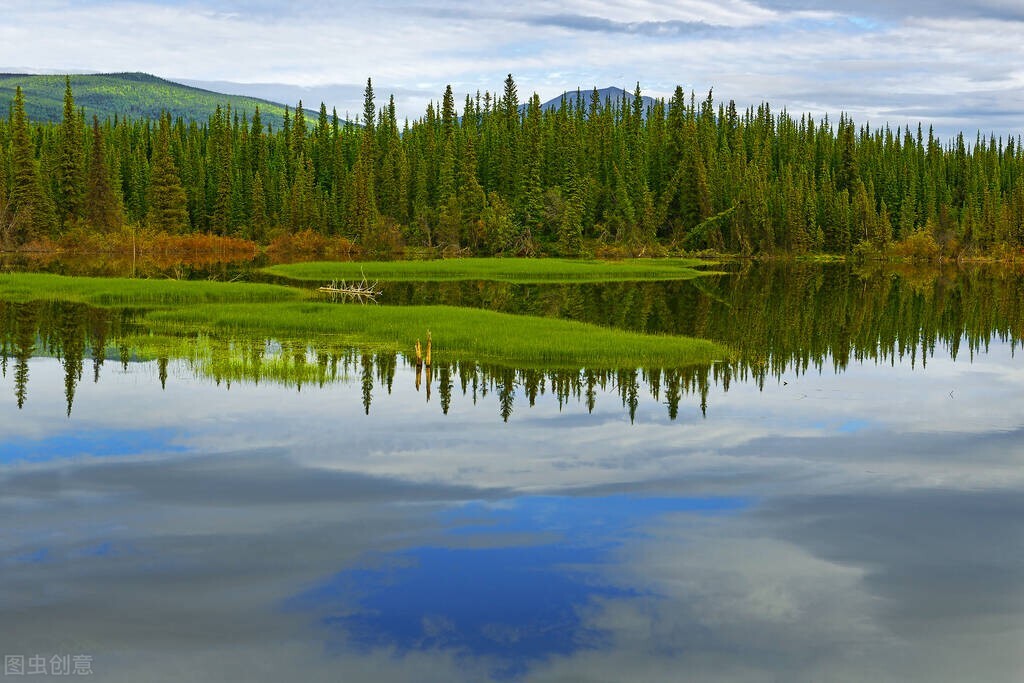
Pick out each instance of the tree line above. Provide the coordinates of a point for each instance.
(501, 176)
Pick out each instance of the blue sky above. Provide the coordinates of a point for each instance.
(955, 64)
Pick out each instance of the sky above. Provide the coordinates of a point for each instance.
(956, 64)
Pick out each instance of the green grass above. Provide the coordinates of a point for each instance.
(458, 333)
(101, 291)
(518, 270)
(187, 307)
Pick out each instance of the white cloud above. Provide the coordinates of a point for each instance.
(956, 65)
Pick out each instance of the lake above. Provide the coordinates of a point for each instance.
(841, 501)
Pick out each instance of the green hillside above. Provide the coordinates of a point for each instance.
(135, 95)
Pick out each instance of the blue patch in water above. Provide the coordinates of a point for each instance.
(504, 601)
(40, 556)
(509, 604)
(105, 549)
(853, 426)
(95, 443)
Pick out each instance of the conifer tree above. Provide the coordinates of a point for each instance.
(70, 183)
(221, 161)
(570, 228)
(166, 199)
(298, 137)
(102, 202)
(508, 167)
(531, 190)
(848, 172)
(258, 223)
(471, 197)
(5, 214)
(363, 213)
(500, 232)
(31, 215)
(369, 108)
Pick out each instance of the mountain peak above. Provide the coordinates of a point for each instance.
(609, 95)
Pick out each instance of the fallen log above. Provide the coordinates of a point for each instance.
(356, 291)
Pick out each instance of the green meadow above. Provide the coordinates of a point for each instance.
(180, 308)
(103, 291)
(517, 270)
(458, 333)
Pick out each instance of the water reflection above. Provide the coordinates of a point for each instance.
(244, 510)
(777, 317)
(512, 603)
(74, 333)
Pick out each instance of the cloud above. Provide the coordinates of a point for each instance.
(956, 62)
(990, 9)
(602, 25)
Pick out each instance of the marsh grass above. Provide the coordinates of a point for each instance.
(516, 270)
(184, 308)
(458, 334)
(99, 291)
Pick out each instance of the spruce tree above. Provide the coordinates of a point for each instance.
(369, 109)
(31, 215)
(531, 190)
(5, 213)
(501, 234)
(258, 222)
(508, 167)
(298, 138)
(363, 213)
(103, 209)
(471, 197)
(221, 162)
(570, 227)
(166, 197)
(70, 183)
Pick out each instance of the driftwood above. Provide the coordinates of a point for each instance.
(362, 291)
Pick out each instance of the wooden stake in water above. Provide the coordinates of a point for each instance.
(428, 348)
(419, 354)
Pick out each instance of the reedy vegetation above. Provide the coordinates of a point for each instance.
(187, 307)
(77, 334)
(494, 269)
(498, 178)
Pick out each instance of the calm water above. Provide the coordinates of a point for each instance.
(845, 502)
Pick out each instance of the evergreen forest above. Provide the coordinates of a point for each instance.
(497, 174)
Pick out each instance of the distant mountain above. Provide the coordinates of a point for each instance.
(135, 95)
(345, 97)
(613, 95)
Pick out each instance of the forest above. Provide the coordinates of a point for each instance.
(503, 176)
